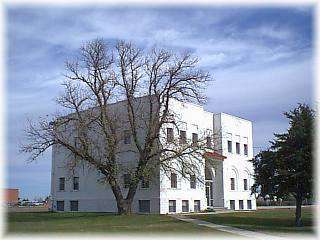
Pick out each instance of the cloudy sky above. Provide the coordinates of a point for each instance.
(260, 58)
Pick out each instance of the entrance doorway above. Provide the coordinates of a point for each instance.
(209, 194)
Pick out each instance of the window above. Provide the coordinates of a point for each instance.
(194, 138)
(126, 180)
(173, 179)
(60, 205)
(240, 204)
(172, 205)
(196, 205)
(245, 149)
(229, 146)
(238, 148)
(144, 206)
(126, 137)
(62, 183)
(232, 182)
(183, 137)
(232, 205)
(74, 205)
(249, 205)
(193, 181)
(144, 183)
(209, 142)
(245, 184)
(185, 206)
(169, 135)
(76, 183)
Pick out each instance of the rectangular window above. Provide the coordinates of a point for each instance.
(196, 205)
(144, 206)
(183, 137)
(172, 205)
(240, 204)
(127, 137)
(245, 149)
(232, 204)
(76, 183)
(209, 142)
(238, 148)
(229, 146)
(144, 183)
(126, 180)
(62, 181)
(60, 205)
(194, 138)
(193, 181)
(232, 186)
(185, 206)
(74, 205)
(245, 184)
(249, 205)
(173, 179)
(169, 135)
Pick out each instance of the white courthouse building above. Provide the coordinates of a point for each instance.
(226, 184)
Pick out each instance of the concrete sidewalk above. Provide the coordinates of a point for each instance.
(233, 230)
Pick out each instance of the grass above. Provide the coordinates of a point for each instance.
(266, 220)
(46, 222)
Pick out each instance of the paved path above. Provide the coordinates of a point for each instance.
(233, 230)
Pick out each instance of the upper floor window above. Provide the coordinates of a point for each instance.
(229, 146)
(127, 137)
(232, 184)
(169, 135)
(193, 181)
(245, 184)
(245, 149)
(144, 183)
(194, 138)
(126, 180)
(62, 181)
(209, 142)
(238, 148)
(173, 179)
(76, 183)
(183, 137)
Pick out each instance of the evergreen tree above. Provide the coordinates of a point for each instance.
(286, 167)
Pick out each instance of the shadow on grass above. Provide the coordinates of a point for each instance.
(52, 216)
(275, 220)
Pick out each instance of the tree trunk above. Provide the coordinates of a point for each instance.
(124, 207)
(298, 212)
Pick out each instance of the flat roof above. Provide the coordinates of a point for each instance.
(232, 116)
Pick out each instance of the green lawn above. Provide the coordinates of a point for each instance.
(270, 220)
(43, 222)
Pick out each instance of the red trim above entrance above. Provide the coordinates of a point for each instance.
(214, 155)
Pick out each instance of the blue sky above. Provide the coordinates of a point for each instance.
(260, 58)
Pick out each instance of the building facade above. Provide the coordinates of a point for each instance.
(11, 196)
(223, 182)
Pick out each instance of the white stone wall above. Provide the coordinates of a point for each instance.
(236, 165)
(93, 196)
(96, 197)
(195, 120)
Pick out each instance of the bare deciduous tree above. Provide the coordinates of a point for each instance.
(109, 90)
